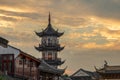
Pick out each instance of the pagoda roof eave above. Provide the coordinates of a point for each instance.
(41, 34)
(56, 63)
(40, 48)
(49, 31)
(50, 69)
(60, 34)
(61, 48)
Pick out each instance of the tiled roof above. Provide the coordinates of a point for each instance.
(49, 31)
(109, 69)
(113, 68)
(50, 69)
(80, 72)
(30, 56)
(9, 50)
(84, 73)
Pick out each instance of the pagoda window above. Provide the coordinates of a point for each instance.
(49, 56)
(43, 55)
(44, 42)
(46, 56)
(48, 40)
(53, 55)
(57, 41)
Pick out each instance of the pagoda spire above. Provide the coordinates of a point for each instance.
(49, 30)
(49, 19)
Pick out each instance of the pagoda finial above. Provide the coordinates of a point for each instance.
(49, 19)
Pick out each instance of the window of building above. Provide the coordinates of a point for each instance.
(30, 64)
(25, 61)
(11, 57)
(48, 41)
(10, 66)
(0, 66)
(4, 57)
(20, 62)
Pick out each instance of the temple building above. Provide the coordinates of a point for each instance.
(109, 72)
(49, 47)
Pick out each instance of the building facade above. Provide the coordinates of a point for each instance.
(16, 63)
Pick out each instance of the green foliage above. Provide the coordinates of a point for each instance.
(2, 77)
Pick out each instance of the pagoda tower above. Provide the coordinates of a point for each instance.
(50, 45)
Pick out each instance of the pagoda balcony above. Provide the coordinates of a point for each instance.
(58, 59)
(50, 45)
(55, 62)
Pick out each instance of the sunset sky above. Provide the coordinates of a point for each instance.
(92, 29)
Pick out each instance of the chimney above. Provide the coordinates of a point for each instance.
(3, 42)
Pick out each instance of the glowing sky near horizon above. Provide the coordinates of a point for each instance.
(92, 29)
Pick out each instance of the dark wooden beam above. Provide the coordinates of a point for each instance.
(23, 60)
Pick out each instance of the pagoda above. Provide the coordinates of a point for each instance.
(50, 45)
(48, 69)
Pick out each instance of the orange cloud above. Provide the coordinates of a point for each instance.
(68, 72)
(74, 35)
(109, 34)
(93, 45)
(88, 34)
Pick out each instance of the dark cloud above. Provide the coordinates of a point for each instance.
(75, 8)
(11, 3)
(16, 36)
(100, 8)
(70, 21)
(105, 8)
(8, 18)
(20, 14)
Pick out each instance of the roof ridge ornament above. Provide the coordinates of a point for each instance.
(95, 68)
(106, 63)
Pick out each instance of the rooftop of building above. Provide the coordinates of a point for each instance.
(109, 68)
(51, 69)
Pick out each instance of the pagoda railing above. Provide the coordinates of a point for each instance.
(58, 60)
(50, 45)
